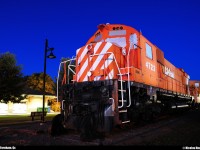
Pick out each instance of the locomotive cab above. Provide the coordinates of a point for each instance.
(122, 36)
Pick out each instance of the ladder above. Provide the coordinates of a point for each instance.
(122, 101)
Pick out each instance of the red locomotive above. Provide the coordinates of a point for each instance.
(119, 77)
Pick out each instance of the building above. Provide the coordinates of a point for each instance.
(33, 102)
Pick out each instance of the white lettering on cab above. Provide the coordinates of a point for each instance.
(150, 66)
(169, 72)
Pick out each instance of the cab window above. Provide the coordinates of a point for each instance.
(149, 51)
(98, 37)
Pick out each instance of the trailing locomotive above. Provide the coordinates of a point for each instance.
(119, 77)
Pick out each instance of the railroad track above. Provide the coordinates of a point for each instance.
(133, 135)
(141, 134)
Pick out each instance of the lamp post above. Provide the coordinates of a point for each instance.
(51, 56)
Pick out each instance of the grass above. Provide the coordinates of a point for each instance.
(23, 118)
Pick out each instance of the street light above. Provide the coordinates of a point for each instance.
(51, 56)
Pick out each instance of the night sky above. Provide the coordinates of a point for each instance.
(172, 25)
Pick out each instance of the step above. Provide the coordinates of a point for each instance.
(122, 80)
(126, 121)
(123, 111)
(123, 100)
(122, 90)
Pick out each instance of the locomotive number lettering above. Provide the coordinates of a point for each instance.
(150, 66)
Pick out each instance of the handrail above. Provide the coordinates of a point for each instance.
(59, 72)
(113, 103)
(69, 68)
(62, 104)
(129, 91)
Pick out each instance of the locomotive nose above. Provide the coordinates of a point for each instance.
(96, 61)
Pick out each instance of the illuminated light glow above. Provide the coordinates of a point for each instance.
(168, 72)
(3, 108)
(183, 106)
(19, 108)
(89, 74)
(198, 99)
(180, 106)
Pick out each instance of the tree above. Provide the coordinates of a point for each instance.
(55, 105)
(11, 79)
(35, 82)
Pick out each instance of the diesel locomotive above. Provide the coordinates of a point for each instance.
(118, 77)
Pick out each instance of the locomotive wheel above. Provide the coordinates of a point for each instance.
(147, 115)
(108, 123)
(88, 130)
(57, 127)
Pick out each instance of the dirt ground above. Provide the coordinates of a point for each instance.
(181, 130)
